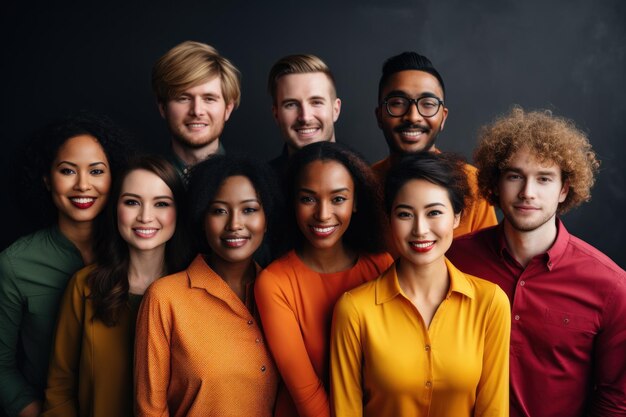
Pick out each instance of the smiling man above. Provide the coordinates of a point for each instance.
(568, 300)
(304, 103)
(196, 91)
(411, 113)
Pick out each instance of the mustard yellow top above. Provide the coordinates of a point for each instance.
(385, 362)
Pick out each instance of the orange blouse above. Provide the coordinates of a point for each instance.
(199, 350)
(296, 307)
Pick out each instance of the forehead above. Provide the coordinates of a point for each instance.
(420, 192)
(236, 187)
(208, 86)
(412, 83)
(306, 85)
(81, 147)
(143, 181)
(330, 173)
(527, 161)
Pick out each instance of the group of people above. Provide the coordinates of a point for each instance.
(205, 284)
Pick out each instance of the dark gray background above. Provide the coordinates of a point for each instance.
(566, 55)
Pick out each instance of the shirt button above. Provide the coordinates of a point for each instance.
(428, 384)
(516, 317)
(257, 340)
(427, 347)
(263, 368)
(565, 321)
(250, 322)
(522, 283)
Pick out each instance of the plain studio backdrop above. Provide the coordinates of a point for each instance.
(566, 55)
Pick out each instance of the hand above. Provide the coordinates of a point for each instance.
(31, 410)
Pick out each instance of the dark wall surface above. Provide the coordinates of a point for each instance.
(566, 55)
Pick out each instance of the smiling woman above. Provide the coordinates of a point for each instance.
(200, 349)
(67, 175)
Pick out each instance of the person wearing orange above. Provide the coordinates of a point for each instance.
(424, 339)
(411, 113)
(91, 369)
(199, 347)
(336, 228)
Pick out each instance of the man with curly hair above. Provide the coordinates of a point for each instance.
(568, 300)
(411, 113)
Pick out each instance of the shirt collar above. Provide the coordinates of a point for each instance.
(387, 286)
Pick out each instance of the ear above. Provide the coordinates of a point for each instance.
(457, 220)
(229, 109)
(564, 191)
(162, 107)
(377, 111)
(445, 117)
(275, 112)
(46, 182)
(336, 109)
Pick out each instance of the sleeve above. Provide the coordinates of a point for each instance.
(63, 371)
(346, 391)
(15, 392)
(492, 394)
(284, 338)
(609, 398)
(152, 355)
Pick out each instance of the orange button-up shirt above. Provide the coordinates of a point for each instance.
(386, 362)
(199, 350)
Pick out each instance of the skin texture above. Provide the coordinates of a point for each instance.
(324, 204)
(411, 132)
(305, 109)
(196, 119)
(235, 221)
(79, 180)
(146, 212)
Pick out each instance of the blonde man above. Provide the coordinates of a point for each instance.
(196, 91)
(304, 103)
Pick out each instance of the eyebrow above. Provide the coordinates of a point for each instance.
(158, 197)
(250, 200)
(337, 190)
(75, 164)
(410, 207)
(400, 93)
(520, 171)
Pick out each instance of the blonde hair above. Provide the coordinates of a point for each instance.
(550, 139)
(189, 64)
(298, 64)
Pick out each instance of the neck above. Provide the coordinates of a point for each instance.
(236, 274)
(395, 156)
(327, 260)
(191, 156)
(144, 268)
(429, 281)
(525, 245)
(81, 235)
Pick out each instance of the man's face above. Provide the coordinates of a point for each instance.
(412, 132)
(305, 109)
(530, 192)
(197, 115)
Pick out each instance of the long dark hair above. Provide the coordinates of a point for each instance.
(365, 233)
(108, 282)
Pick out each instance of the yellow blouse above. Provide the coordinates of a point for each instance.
(385, 362)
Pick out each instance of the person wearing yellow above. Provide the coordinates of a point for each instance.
(423, 339)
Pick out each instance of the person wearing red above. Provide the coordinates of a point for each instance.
(336, 227)
(568, 300)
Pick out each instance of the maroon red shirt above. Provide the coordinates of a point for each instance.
(568, 331)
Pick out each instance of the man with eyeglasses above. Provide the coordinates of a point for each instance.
(411, 113)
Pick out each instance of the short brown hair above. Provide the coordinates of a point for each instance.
(189, 64)
(297, 64)
(550, 139)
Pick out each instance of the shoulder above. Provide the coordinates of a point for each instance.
(80, 278)
(283, 269)
(27, 245)
(584, 252)
(168, 287)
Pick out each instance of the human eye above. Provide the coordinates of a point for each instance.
(217, 211)
(250, 210)
(182, 99)
(210, 99)
(317, 103)
(545, 180)
(513, 177)
(97, 171)
(67, 171)
(429, 102)
(162, 204)
(305, 199)
(435, 213)
(397, 102)
(339, 199)
(130, 202)
(403, 214)
(290, 105)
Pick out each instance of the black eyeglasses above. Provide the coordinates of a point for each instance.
(398, 106)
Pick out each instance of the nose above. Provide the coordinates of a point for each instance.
(145, 214)
(413, 115)
(82, 182)
(323, 211)
(304, 113)
(527, 190)
(234, 221)
(420, 226)
(196, 107)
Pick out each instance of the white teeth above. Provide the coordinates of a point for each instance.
(83, 200)
(145, 232)
(306, 131)
(413, 134)
(193, 125)
(238, 240)
(422, 245)
(323, 229)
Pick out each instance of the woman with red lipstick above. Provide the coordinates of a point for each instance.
(199, 348)
(335, 219)
(91, 367)
(424, 339)
(68, 169)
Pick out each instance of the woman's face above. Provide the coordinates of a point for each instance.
(324, 203)
(79, 179)
(146, 211)
(422, 221)
(235, 223)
